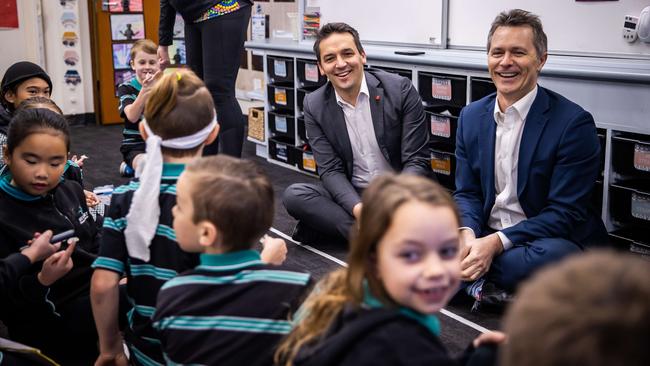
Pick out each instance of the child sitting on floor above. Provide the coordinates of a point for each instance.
(233, 308)
(49, 308)
(403, 267)
(139, 241)
(592, 309)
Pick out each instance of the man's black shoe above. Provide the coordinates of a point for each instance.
(492, 298)
(304, 234)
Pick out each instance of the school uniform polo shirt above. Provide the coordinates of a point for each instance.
(144, 278)
(230, 310)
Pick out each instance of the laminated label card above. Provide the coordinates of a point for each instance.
(642, 157)
(281, 124)
(280, 96)
(440, 126)
(441, 163)
(280, 68)
(282, 152)
(311, 72)
(308, 162)
(640, 206)
(441, 88)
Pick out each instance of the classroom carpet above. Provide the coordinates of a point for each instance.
(101, 145)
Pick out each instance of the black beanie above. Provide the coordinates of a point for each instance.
(21, 71)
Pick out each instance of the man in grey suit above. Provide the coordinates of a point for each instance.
(360, 124)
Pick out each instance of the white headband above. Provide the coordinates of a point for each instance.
(144, 213)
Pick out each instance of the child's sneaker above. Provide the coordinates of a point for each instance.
(126, 171)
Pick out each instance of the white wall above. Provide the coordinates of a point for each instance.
(38, 39)
(22, 44)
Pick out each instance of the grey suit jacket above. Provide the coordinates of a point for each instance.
(400, 128)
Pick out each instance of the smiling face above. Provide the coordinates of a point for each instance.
(513, 63)
(143, 64)
(37, 163)
(342, 63)
(418, 259)
(32, 87)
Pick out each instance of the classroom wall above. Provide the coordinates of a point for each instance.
(38, 39)
(22, 43)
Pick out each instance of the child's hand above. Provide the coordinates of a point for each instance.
(149, 81)
(274, 250)
(56, 266)
(91, 199)
(79, 160)
(112, 360)
(40, 248)
(491, 337)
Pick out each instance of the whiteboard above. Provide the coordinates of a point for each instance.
(571, 26)
(395, 21)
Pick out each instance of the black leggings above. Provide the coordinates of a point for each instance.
(214, 50)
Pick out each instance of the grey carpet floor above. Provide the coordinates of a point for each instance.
(101, 145)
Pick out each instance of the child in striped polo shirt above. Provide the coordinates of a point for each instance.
(232, 309)
(138, 240)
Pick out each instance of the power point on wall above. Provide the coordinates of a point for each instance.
(629, 28)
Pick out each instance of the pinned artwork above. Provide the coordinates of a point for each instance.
(68, 4)
(177, 53)
(125, 6)
(127, 27)
(123, 76)
(69, 20)
(72, 77)
(121, 55)
(70, 39)
(70, 57)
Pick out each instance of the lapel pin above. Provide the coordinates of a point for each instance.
(377, 98)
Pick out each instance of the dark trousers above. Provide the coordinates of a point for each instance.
(213, 49)
(519, 262)
(314, 207)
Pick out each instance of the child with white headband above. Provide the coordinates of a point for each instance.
(138, 239)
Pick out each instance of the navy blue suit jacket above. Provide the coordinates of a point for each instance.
(558, 167)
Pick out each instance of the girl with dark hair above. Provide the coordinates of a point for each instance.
(49, 308)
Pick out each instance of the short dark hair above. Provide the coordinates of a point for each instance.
(30, 121)
(591, 309)
(521, 18)
(233, 194)
(40, 102)
(329, 28)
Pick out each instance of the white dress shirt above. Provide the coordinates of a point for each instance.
(367, 159)
(507, 210)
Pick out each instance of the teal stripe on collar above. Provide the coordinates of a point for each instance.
(172, 170)
(430, 322)
(231, 259)
(15, 192)
(135, 83)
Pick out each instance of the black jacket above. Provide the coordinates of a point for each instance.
(375, 337)
(5, 118)
(190, 10)
(62, 209)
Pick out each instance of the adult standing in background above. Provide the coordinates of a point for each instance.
(215, 31)
(527, 162)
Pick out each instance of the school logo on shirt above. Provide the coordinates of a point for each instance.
(83, 216)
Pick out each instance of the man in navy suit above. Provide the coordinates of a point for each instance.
(359, 125)
(527, 161)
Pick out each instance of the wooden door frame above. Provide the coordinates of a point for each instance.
(151, 31)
